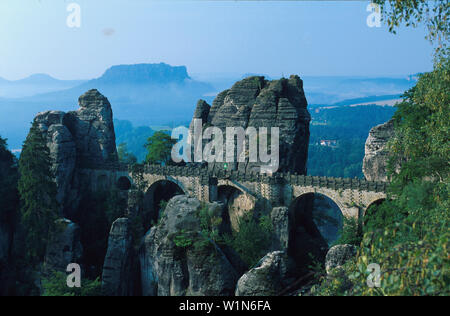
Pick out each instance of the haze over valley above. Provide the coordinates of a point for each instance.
(164, 95)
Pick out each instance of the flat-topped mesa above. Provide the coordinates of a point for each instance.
(256, 102)
(79, 139)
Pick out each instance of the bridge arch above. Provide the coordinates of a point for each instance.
(318, 213)
(307, 235)
(124, 183)
(238, 203)
(157, 194)
(328, 193)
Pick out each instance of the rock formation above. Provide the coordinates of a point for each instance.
(238, 204)
(280, 223)
(119, 266)
(62, 150)
(338, 256)
(273, 274)
(77, 140)
(64, 248)
(93, 130)
(256, 102)
(176, 260)
(376, 155)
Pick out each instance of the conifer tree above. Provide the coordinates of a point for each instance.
(37, 190)
(8, 182)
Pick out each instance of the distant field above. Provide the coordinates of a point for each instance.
(392, 102)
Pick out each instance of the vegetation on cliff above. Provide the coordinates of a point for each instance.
(8, 183)
(37, 189)
(55, 285)
(408, 234)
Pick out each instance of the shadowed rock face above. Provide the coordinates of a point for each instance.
(376, 153)
(64, 248)
(77, 140)
(171, 270)
(256, 102)
(93, 130)
(273, 273)
(338, 255)
(120, 266)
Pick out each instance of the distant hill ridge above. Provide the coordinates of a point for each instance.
(38, 79)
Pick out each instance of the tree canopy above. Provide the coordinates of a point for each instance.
(37, 189)
(422, 147)
(434, 14)
(408, 234)
(159, 147)
(8, 182)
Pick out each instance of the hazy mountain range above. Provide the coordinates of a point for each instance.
(145, 94)
(34, 84)
(158, 94)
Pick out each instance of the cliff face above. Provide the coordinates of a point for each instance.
(78, 139)
(256, 102)
(93, 130)
(376, 154)
(171, 270)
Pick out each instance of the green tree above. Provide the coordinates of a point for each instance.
(434, 14)
(350, 232)
(55, 285)
(37, 190)
(408, 234)
(422, 147)
(124, 155)
(252, 240)
(159, 147)
(8, 183)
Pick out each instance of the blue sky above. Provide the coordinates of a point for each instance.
(209, 37)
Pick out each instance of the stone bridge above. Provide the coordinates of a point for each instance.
(352, 196)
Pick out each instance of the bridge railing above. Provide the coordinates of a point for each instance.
(277, 178)
(292, 178)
